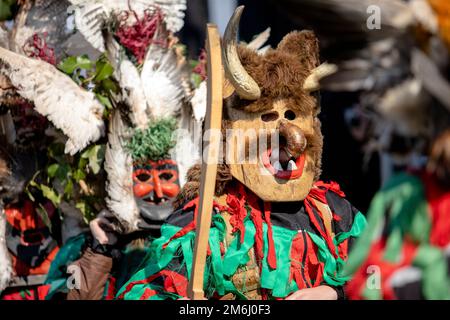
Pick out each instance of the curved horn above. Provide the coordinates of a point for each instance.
(312, 82)
(244, 85)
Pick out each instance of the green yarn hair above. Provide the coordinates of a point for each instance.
(153, 143)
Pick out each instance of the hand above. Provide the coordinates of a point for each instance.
(317, 293)
(102, 229)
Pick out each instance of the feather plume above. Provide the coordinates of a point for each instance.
(119, 167)
(162, 82)
(70, 108)
(130, 83)
(198, 102)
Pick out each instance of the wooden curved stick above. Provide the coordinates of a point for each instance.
(213, 121)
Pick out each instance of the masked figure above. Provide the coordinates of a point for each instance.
(156, 185)
(32, 248)
(277, 231)
(405, 248)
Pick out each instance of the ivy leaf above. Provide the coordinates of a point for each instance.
(50, 194)
(95, 155)
(68, 189)
(79, 175)
(86, 210)
(43, 214)
(52, 169)
(104, 101)
(104, 71)
(109, 85)
(6, 9)
(60, 171)
(196, 79)
(56, 152)
(70, 64)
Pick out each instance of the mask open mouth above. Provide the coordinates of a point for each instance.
(282, 165)
(152, 199)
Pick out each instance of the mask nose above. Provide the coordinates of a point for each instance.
(295, 140)
(157, 185)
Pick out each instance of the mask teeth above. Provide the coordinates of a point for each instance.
(292, 166)
(277, 166)
(274, 157)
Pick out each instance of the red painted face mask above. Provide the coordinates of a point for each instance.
(28, 238)
(156, 182)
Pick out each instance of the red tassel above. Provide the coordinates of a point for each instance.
(318, 193)
(271, 258)
(297, 249)
(236, 200)
(259, 244)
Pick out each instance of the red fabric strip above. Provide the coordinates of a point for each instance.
(173, 282)
(439, 201)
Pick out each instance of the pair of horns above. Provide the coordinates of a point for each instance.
(245, 86)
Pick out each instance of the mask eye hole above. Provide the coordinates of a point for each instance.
(143, 177)
(165, 176)
(289, 115)
(271, 116)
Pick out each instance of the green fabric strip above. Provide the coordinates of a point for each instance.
(358, 227)
(217, 267)
(403, 200)
(277, 280)
(435, 281)
(57, 275)
(187, 245)
(237, 253)
(334, 267)
(160, 257)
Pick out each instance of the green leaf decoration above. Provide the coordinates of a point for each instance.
(52, 169)
(104, 101)
(79, 175)
(103, 71)
(6, 9)
(43, 214)
(51, 195)
(59, 171)
(109, 85)
(87, 211)
(96, 156)
(70, 64)
(196, 79)
(155, 142)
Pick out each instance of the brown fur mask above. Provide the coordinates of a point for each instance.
(280, 73)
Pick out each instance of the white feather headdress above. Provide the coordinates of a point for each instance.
(70, 108)
(119, 166)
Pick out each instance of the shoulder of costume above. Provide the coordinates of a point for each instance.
(181, 216)
(184, 214)
(343, 211)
